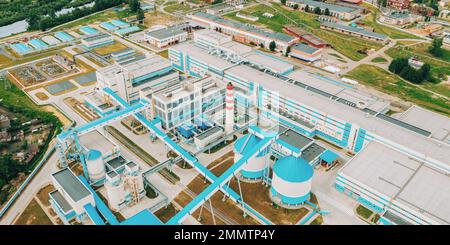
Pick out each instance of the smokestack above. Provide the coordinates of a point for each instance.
(229, 109)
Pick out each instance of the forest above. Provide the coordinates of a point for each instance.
(41, 14)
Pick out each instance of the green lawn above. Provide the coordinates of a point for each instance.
(379, 60)
(439, 66)
(177, 8)
(33, 215)
(342, 43)
(363, 211)
(392, 84)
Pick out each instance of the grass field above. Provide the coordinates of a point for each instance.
(379, 60)
(344, 44)
(439, 66)
(363, 211)
(33, 215)
(179, 8)
(392, 84)
(115, 47)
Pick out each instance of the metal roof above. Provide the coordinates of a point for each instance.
(304, 48)
(330, 6)
(293, 138)
(394, 175)
(61, 201)
(164, 33)
(293, 169)
(438, 125)
(356, 30)
(245, 27)
(71, 184)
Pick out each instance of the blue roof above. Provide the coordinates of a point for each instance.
(93, 155)
(243, 150)
(328, 156)
(145, 217)
(293, 169)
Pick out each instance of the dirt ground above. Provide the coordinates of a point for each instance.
(33, 215)
(42, 195)
(64, 120)
(115, 47)
(157, 18)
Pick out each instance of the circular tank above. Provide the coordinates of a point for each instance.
(256, 167)
(95, 165)
(115, 192)
(291, 181)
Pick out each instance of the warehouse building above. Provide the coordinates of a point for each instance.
(402, 189)
(165, 37)
(344, 12)
(138, 78)
(354, 31)
(97, 40)
(305, 52)
(243, 32)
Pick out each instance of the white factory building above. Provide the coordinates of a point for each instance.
(166, 36)
(138, 78)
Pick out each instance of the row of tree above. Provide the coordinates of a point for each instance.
(38, 21)
(402, 68)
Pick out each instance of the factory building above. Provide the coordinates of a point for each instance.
(138, 78)
(192, 99)
(165, 37)
(96, 40)
(327, 109)
(126, 188)
(354, 31)
(345, 12)
(304, 52)
(214, 52)
(70, 197)
(243, 32)
(401, 188)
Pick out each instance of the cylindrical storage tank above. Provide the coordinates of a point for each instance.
(95, 165)
(115, 191)
(291, 181)
(256, 166)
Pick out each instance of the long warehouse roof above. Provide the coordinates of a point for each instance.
(430, 148)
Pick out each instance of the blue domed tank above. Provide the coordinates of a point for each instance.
(291, 181)
(255, 168)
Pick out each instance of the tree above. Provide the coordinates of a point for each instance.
(134, 5)
(261, 45)
(382, 3)
(424, 72)
(33, 20)
(307, 8)
(327, 11)
(288, 50)
(272, 46)
(295, 6)
(140, 15)
(436, 47)
(283, 2)
(317, 10)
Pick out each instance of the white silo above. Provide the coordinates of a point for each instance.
(115, 190)
(229, 109)
(95, 165)
(257, 166)
(134, 182)
(291, 182)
